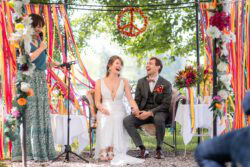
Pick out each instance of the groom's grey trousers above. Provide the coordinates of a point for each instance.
(131, 123)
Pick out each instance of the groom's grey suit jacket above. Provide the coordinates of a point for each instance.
(161, 100)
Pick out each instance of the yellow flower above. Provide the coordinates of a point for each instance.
(16, 45)
(11, 4)
(19, 26)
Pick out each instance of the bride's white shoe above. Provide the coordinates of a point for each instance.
(110, 155)
(104, 157)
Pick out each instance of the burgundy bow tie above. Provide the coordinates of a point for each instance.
(150, 80)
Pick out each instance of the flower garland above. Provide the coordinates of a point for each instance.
(217, 105)
(22, 37)
(133, 30)
(219, 24)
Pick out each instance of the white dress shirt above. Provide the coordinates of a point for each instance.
(152, 84)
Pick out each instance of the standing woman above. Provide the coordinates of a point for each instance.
(39, 139)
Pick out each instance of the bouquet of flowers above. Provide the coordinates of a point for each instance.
(186, 78)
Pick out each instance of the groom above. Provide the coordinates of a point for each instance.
(153, 97)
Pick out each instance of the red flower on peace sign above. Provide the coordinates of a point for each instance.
(131, 29)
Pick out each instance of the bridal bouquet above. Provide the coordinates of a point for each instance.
(186, 78)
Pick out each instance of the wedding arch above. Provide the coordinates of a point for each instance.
(239, 56)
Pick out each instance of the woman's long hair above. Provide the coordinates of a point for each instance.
(112, 59)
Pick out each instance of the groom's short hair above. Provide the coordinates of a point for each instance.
(157, 63)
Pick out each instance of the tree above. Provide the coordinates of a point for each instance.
(170, 32)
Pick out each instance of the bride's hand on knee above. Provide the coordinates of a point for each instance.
(135, 111)
(104, 111)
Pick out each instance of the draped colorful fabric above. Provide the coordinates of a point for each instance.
(191, 98)
(57, 24)
(239, 65)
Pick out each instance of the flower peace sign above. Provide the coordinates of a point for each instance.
(131, 29)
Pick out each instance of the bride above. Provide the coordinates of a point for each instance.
(111, 137)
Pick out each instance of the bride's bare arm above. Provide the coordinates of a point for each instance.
(98, 98)
(130, 98)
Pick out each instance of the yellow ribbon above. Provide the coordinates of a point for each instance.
(191, 97)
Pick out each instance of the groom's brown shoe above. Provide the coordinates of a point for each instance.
(143, 154)
(159, 154)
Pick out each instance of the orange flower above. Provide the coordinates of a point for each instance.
(21, 101)
(218, 106)
(30, 92)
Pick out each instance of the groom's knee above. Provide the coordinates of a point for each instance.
(127, 121)
(159, 121)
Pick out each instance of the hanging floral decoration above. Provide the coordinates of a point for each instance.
(217, 105)
(131, 28)
(219, 31)
(21, 38)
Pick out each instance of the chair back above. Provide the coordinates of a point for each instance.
(176, 97)
(91, 97)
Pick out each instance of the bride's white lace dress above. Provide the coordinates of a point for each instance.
(110, 130)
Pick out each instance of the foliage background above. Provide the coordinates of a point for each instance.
(170, 32)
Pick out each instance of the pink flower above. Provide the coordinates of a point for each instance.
(4, 120)
(221, 20)
(15, 113)
(217, 98)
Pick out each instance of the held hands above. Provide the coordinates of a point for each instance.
(104, 111)
(144, 115)
(135, 111)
